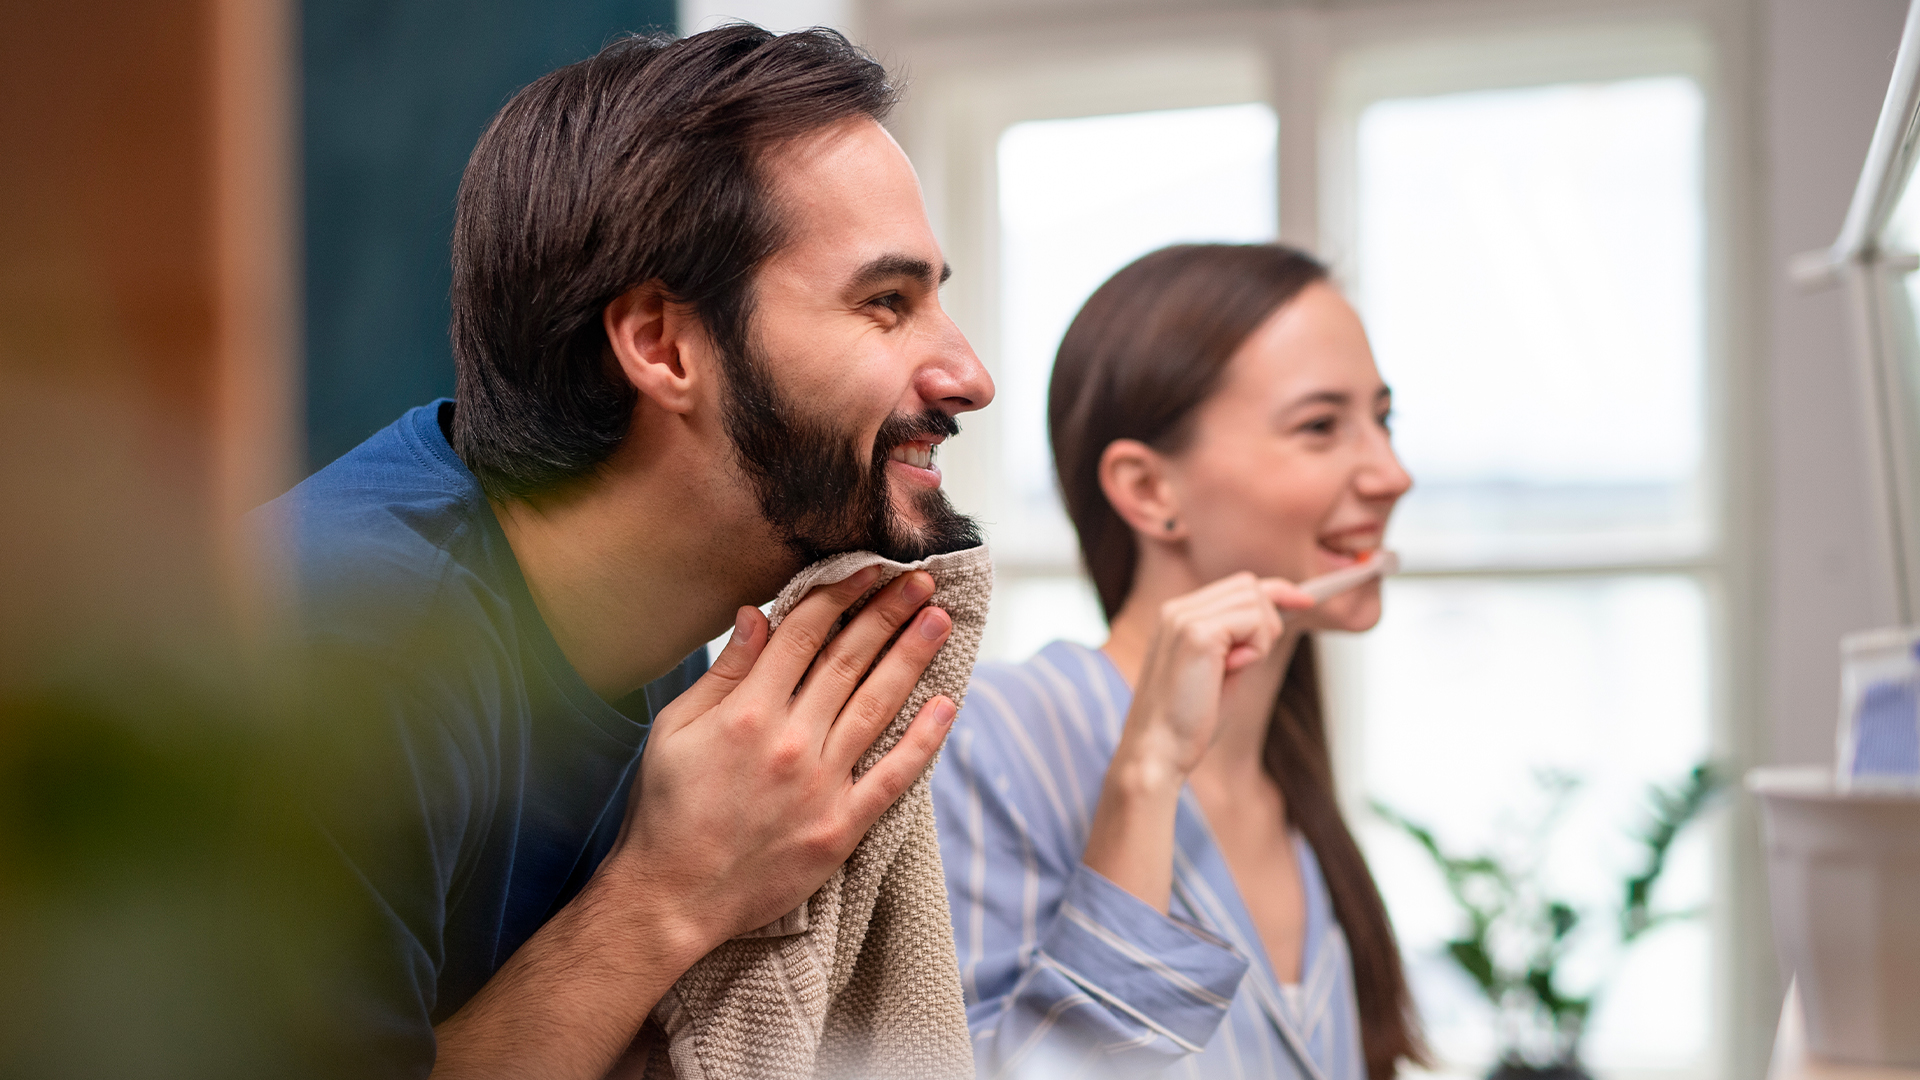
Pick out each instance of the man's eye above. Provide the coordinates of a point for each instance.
(892, 301)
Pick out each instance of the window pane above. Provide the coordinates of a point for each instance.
(1529, 265)
(1470, 687)
(1029, 612)
(1079, 199)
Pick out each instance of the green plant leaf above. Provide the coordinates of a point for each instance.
(1471, 955)
(1673, 810)
(1562, 918)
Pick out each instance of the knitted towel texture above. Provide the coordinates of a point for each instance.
(860, 982)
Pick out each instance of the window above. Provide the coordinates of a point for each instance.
(1529, 262)
(1529, 265)
(1520, 209)
(1886, 309)
(1079, 199)
(1043, 181)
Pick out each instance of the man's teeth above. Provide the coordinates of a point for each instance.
(918, 455)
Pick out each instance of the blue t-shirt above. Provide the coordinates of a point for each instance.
(467, 778)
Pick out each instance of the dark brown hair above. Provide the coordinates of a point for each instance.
(1148, 348)
(639, 164)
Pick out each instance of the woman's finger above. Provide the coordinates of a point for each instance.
(1243, 619)
(1240, 656)
(1286, 595)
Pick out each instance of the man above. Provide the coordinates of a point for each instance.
(699, 345)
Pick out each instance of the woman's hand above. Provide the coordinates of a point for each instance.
(1199, 643)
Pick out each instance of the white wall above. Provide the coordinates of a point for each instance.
(780, 16)
(1824, 67)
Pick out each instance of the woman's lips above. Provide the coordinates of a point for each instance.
(1348, 547)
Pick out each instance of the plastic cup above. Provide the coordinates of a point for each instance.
(1843, 869)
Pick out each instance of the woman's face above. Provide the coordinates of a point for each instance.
(1290, 472)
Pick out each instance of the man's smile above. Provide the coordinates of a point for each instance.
(913, 460)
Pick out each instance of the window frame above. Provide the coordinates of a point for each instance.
(1368, 70)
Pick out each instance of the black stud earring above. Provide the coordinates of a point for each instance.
(1169, 524)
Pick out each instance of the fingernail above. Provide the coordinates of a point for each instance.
(943, 712)
(918, 587)
(932, 625)
(742, 626)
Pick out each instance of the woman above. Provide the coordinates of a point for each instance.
(1146, 862)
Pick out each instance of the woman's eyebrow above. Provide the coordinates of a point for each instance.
(1321, 397)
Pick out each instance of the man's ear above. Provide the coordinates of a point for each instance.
(1136, 481)
(659, 343)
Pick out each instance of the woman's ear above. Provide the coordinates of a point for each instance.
(659, 344)
(1134, 477)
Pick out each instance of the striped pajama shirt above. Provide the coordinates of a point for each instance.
(1068, 975)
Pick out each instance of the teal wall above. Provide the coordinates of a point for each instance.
(396, 92)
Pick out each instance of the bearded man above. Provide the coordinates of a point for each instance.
(699, 340)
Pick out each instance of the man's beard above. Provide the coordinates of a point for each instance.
(817, 491)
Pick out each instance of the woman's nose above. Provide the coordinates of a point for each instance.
(1382, 476)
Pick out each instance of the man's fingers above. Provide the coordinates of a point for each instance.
(846, 659)
(873, 706)
(802, 633)
(743, 647)
(890, 777)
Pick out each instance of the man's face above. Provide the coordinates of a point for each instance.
(853, 373)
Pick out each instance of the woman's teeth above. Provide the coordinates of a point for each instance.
(918, 455)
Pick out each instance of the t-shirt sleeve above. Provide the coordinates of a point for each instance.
(391, 784)
(400, 782)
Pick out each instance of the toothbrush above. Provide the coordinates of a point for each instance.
(1327, 586)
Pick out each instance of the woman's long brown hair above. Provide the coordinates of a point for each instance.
(1147, 349)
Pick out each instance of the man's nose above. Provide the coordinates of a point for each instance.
(952, 378)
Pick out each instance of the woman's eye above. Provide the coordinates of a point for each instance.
(1321, 425)
(1386, 420)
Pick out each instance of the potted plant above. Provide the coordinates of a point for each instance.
(1516, 931)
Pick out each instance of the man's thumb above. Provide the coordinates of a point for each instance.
(729, 668)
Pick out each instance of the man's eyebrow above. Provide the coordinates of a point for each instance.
(889, 268)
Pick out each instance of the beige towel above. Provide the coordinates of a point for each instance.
(860, 982)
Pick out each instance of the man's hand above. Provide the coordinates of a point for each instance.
(744, 805)
(746, 801)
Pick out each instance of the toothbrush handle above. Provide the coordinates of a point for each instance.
(1327, 586)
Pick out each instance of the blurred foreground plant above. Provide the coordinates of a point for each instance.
(1517, 932)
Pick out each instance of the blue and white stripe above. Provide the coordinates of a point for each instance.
(1068, 975)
